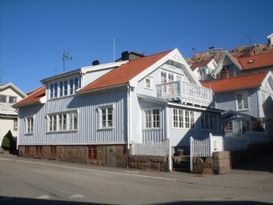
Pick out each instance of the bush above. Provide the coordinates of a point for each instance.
(7, 141)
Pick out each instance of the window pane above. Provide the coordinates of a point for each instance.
(75, 121)
(187, 119)
(61, 88)
(245, 100)
(71, 86)
(51, 90)
(65, 87)
(55, 90)
(3, 98)
(239, 101)
(12, 99)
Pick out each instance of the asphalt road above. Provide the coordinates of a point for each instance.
(28, 181)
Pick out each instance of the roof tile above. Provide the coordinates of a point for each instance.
(32, 98)
(236, 83)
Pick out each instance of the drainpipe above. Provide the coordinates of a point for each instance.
(169, 139)
(128, 118)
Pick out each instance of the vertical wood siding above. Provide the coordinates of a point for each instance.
(88, 131)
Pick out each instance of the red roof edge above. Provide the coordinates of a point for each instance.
(33, 98)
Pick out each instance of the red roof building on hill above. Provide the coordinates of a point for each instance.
(236, 83)
(256, 62)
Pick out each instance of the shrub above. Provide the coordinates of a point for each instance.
(7, 141)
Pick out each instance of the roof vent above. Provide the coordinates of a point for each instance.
(96, 62)
(125, 55)
(250, 61)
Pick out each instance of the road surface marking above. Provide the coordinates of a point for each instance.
(43, 197)
(76, 196)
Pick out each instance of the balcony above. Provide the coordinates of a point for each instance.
(185, 92)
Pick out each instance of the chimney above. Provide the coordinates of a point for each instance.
(125, 55)
(270, 39)
(95, 62)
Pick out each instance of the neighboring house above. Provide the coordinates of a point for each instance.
(102, 109)
(203, 69)
(248, 100)
(9, 94)
(232, 66)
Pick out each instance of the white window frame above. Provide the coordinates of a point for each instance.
(15, 124)
(184, 121)
(153, 122)
(151, 83)
(244, 97)
(107, 124)
(29, 122)
(61, 122)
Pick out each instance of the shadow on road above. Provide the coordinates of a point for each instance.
(28, 201)
(263, 162)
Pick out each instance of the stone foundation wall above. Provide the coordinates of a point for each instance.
(219, 163)
(105, 155)
(148, 162)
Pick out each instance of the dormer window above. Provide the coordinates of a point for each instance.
(64, 87)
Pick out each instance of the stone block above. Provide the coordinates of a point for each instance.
(46, 151)
(221, 155)
(207, 171)
(221, 163)
(21, 151)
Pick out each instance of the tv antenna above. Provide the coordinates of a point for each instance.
(66, 57)
(249, 39)
(114, 49)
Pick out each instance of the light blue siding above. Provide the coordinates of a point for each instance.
(88, 131)
(227, 101)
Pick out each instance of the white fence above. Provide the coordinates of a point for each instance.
(151, 149)
(205, 148)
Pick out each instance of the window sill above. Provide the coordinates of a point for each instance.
(151, 129)
(148, 88)
(105, 128)
(31, 133)
(183, 128)
(63, 97)
(59, 132)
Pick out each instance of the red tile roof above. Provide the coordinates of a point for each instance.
(32, 98)
(236, 83)
(258, 61)
(124, 73)
(202, 63)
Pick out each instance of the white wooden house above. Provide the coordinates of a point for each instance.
(99, 111)
(9, 94)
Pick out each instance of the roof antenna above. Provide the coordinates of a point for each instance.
(114, 49)
(66, 57)
(249, 39)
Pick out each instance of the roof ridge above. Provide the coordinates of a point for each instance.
(153, 54)
(270, 52)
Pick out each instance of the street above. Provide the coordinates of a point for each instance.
(32, 181)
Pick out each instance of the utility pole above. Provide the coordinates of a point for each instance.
(66, 57)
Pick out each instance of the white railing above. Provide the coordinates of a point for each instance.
(6, 107)
(151, 149)
(205, 147)
(184, 90)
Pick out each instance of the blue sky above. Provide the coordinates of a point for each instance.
(33, 33)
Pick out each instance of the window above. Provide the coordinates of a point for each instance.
(77, 84)
(228, 126)
(148, 83)
(29, 125)
(209, 121)
(15, 125)
(61, 88)
(65, 87)
(12, 99)
(242, 101)
(183, 118)
(51, 90)
(163, 77)
(71, 85)
(3, 98)
(55, 90)
(106, 117)
(63, 122)
(152, 118)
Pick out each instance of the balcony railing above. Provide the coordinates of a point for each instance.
(185, 91)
